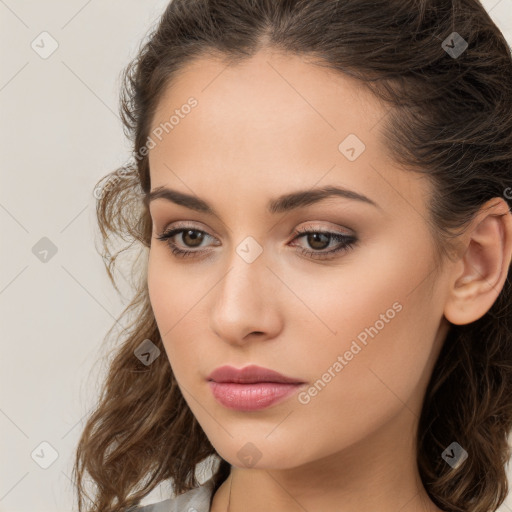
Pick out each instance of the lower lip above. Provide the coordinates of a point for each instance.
(251, 397)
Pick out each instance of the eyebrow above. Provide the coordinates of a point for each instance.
(284, 203)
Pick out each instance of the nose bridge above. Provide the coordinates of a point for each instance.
(245, 297)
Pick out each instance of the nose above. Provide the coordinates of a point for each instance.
(245, 303)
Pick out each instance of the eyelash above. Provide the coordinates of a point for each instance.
(347, 242)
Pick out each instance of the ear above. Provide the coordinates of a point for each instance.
(479, 276)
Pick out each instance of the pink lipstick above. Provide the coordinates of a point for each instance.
(251, 388)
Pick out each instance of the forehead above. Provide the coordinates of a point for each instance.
(274, 122)
(271, 86)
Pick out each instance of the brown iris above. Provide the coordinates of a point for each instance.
(314, 237)
(196, 237)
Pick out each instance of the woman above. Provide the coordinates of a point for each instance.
(321, 190)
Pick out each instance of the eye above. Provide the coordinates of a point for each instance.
(317, 239)
(320, 239)
(189, 235)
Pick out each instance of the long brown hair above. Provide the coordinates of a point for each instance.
(449, 117)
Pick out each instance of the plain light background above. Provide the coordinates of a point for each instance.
(60, 133)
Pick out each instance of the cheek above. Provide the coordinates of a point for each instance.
(166, 303)
(172, 290)
(160, 290)
(175, 298)
(386, 328)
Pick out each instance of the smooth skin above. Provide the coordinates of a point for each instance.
(267, 127)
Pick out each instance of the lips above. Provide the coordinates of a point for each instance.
(250, 374)
(251, 397)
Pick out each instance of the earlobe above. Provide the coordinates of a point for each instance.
(480, 275)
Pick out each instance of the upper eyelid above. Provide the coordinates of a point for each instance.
(191, 225)
(183, 225)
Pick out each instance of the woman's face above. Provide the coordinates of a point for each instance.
(361, 328)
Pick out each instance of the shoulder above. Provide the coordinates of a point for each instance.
(195, 500)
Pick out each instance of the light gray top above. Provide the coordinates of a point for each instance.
(195, 500)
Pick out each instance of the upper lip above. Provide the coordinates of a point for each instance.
(249, 374)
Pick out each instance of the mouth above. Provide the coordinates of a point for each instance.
(251, 388)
